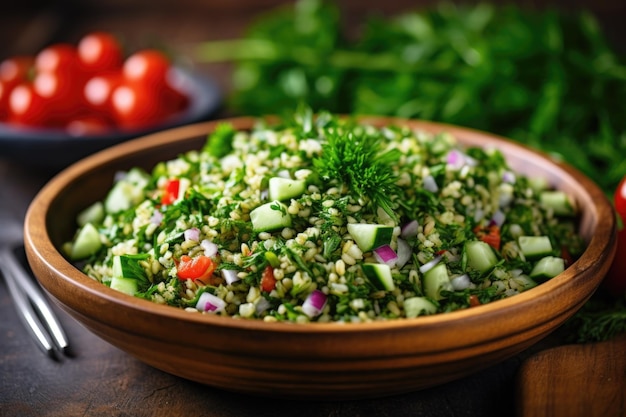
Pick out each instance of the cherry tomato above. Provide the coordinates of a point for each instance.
(268, 281)
(63, 95)
(100, 51)
(148, 66)
(615, 280)
(17, 69)
(98, 91)
(88, 124)
(136, 106)
(60, 57)
(26, 107)
(619, 199)
(198, 268)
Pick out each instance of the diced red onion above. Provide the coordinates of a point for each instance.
(498, 218)
(156, 218)
(430, 264)
(430, 184)
(314, 303)
(386, 255)
(479, 215)
(230, 276)
(410, 229)
(457, 159)
(508, 177)
(192, 234)
(211, 303)
(404, 253)
(210, 248)
(461, 282)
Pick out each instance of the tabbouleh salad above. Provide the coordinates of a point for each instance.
(324, 219)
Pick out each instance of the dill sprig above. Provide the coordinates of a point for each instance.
(357, 160)
(596, 322)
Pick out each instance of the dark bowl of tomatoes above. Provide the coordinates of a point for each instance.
(68, 101)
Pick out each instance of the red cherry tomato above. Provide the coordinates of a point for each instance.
(62, 94)
(17, 69)
(98, 91)
(100, 51)
(60, 57)
(148, 66)
(89, 125)
(136, 106)
(619, 199)
(26, 107)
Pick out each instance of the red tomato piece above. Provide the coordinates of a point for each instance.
(26, 107)
(62, 94)
(17, 69)
(474, 301)
(268, 281)
(135, 106)
(619, 199)
(198, 268)
(148, 66)
(100, 51)
(60, 57)
(489, 234)
(170, 194)
(98, 91)
(88, 125)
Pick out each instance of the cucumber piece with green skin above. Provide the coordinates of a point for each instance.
(534, 247)
(418, 306)
(92, 214)
(127, 192)
(379, 275)
(370, 236)
(437, 280)
(285, 188)
(87, 242)
(125, 285)
(547, 267)
(558, 201)
(270, 216)
(480, 255)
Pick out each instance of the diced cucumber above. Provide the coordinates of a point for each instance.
(379, 275)
(285, 188)
(418, 306)
(436, 280)
(125, 285)
(127, 191)
(87, 242)
(480, 255)
(534, 247)
(547, 267)
(558, 201)
(370, 236)
(92, 214)
(270, 216)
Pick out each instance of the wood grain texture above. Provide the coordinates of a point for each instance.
(579, 380)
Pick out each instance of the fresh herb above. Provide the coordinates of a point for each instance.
(358, 161)
(547, 78)
(597, 321)
(220, 142)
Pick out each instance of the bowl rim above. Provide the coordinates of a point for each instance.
(600, 245)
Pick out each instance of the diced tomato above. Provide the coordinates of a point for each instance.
(474, 301)
(198, 268)
(268, 281)
(489, 234)
(170, 193)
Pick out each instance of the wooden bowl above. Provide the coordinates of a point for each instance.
(309, 361)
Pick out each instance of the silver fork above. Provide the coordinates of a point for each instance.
(31, 303)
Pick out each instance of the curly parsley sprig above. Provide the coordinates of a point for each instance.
(358, 161)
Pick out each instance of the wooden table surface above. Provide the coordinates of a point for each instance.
(101, 380)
